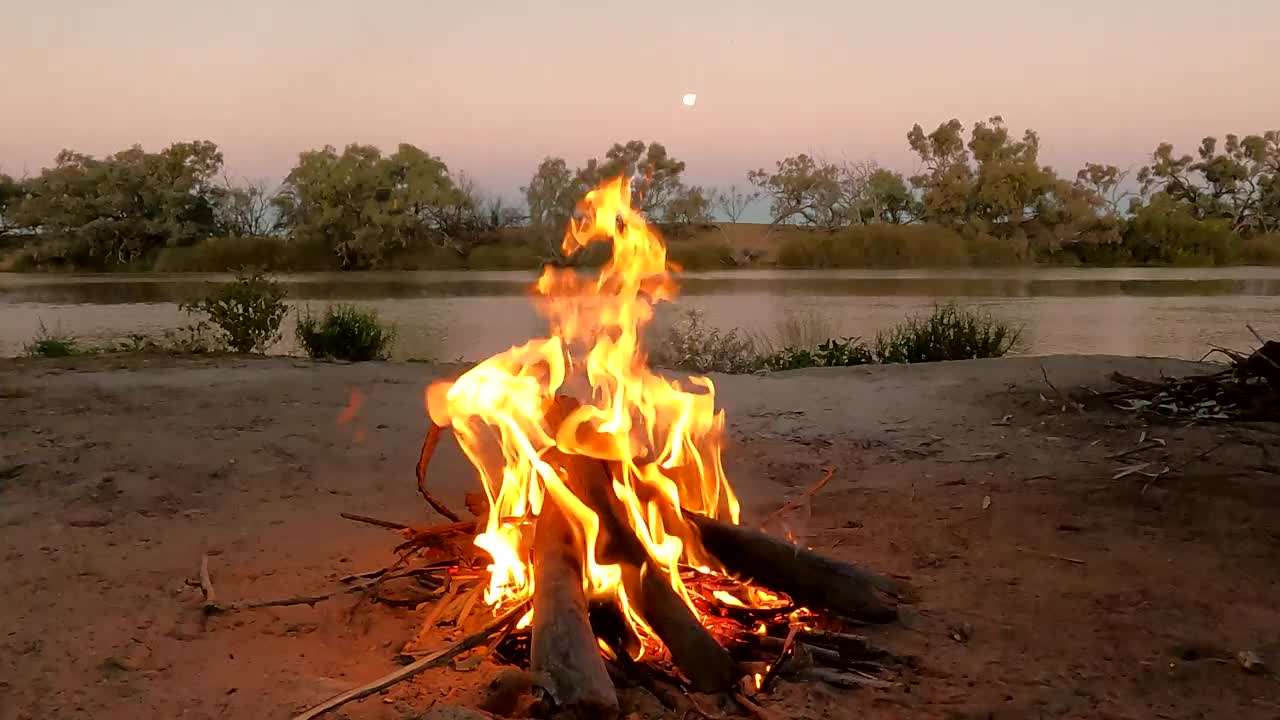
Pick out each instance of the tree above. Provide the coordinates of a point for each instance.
(11, 192)
(690, 206)
(733, 202)
(655, 174)
(364, 206)
(246, 210)
(801, 190)
(125, 206)
(886, 198)
(1240, 183)
(1107, 183)
(552, 193)
(946, 184)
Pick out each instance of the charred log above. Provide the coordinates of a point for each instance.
(810, 579)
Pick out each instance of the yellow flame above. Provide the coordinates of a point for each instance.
(663, 437)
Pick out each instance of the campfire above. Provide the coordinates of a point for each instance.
(608, 545)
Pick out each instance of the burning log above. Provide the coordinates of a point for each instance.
(564, 648)
(808, 578)
(693, 649)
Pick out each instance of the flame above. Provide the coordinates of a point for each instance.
(661, 437)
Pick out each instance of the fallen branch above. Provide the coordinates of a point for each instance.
(1052, 556)
(420, 470)
(843, 679)
(437, 658)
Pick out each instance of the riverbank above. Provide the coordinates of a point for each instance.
(968, 478)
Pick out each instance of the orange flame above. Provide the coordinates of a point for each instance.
(663, 436)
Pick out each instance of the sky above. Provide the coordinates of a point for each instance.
(493, 86)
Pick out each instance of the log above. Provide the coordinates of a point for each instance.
(694, 650)
(564, 647)
(809, 579)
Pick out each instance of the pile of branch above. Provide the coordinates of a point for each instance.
(1248, 389)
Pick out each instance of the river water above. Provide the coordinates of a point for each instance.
(469, 315)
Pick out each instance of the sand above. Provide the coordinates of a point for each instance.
(1076, 595)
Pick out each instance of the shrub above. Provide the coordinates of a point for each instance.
(223, 254)
(247, 311)
(690, 344)
(1261, 249)
(53, 344)
(503, 257)
(345, 332)
(949, 333)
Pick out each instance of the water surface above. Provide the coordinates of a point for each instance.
(469, 315)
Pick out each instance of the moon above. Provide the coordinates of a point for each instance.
(689, 99)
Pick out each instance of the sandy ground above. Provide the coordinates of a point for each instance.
(1077, 595)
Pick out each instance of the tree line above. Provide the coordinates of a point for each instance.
(360, 206)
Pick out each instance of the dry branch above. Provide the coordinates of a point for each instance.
(420, 470)
(206, 584)
(437, 658)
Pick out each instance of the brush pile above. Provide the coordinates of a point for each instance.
(1248, 389)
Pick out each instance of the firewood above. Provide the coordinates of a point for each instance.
(693, 649)
(810, 579)
(564, 648)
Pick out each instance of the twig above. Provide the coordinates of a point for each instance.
(788, 647)
(206, 584)
(808, 494)
(1047, 381)
(428, 448)
(470, 602)
(252, 604)
(437, 658)
(751, 706)
(844, 679)
(1064, 558)
(434, 616)
(1149, 445)
(375, 521)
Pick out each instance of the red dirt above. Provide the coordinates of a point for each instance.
(131, 468)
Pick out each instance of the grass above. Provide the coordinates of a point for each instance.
(345, 332)
(53, 344)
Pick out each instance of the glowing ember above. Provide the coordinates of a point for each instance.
(660, 438)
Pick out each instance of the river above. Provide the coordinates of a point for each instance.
(469, 315)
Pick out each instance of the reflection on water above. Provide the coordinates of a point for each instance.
(450, 315)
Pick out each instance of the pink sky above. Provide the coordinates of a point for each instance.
(492, 86)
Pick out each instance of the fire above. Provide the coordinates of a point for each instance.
(661, 438)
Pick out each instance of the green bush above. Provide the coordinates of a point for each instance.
(884, 245)
(345, 332)
(247, 312)
(844, 352)
(950, 332)
(503, 257)
(690, 344)
(53, 344)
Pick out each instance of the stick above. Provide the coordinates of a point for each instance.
(848, 644)
(788, 647)
(797, 504)
(1047, 381)
(564, 647)
(810, 579)
(281, 602)
(206, 585)
(374, 521)
(437, 658)
(843, 679)
(428, 448)
(1064, 558)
